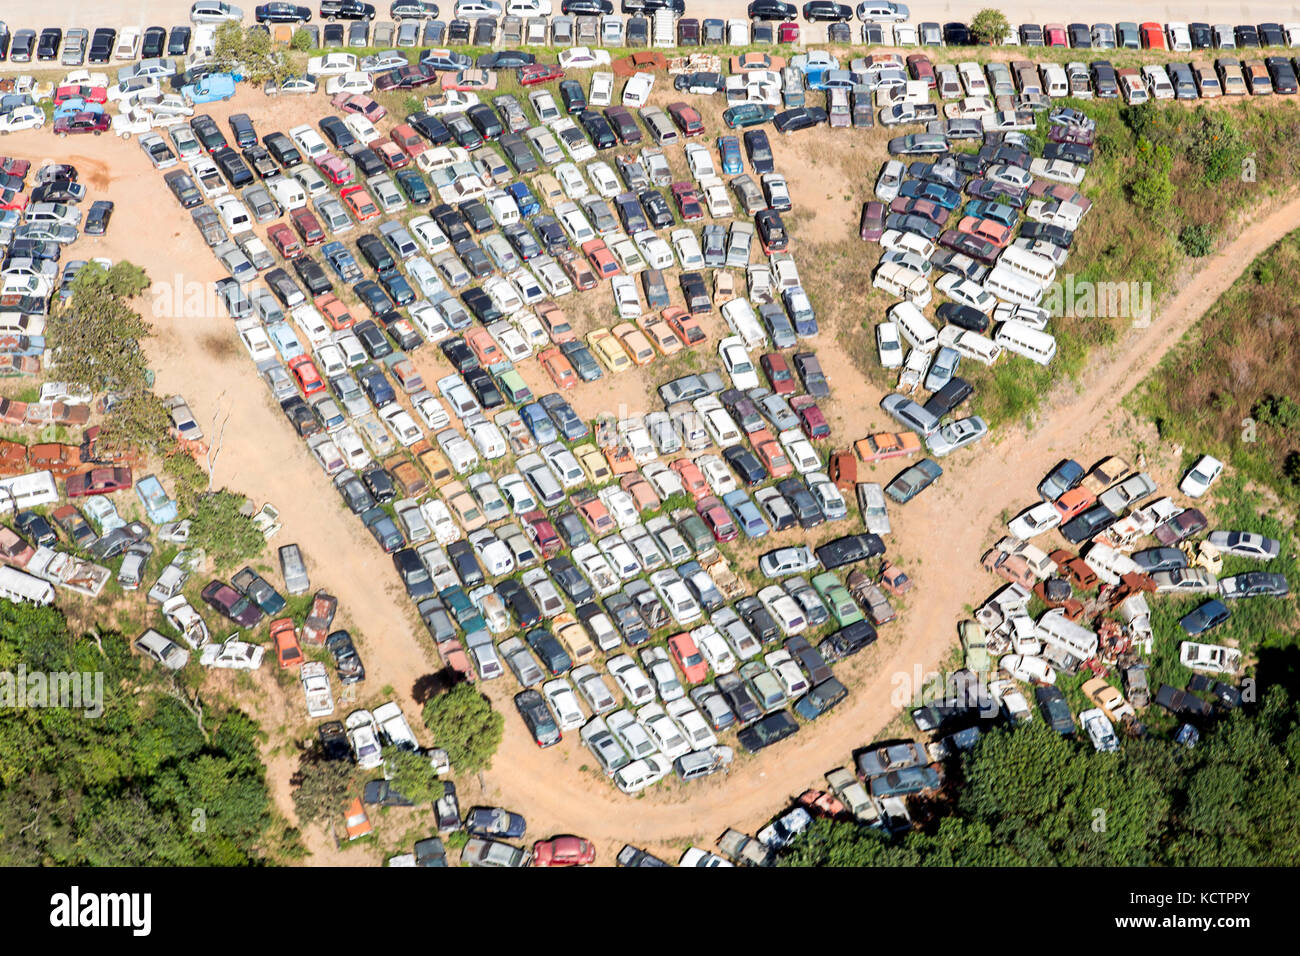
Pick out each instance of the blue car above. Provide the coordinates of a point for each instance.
(729, 150)
(284, 340)
(211, 89)
(76, 104)
(1205, 618)
(987, 209)
(495, 822)
(341, 261)
(159, 507)
(935, 192)
(538, 423)
(745, 513)
(524, 199)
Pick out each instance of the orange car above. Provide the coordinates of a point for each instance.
(688, 657)
(596, 515)
(484, 347)
(555, 322)
(578, 271)
(994, 232)
(1074, 502)
(335, 312)
(358, 824)
(304, 370)
(642, 494)
(773, 457)
(392, 155)
(884, 445)
(558, 367)
(659, 333)
(692, 478)
(602, 260)
(620, 459)
(359, 202)
(635, 341)
(684, 325)
(285, 637)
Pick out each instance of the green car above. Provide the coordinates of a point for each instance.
(413, 184)
(836, 596)
(696, 533)
(513, 387)
(975, 641)
(987, 209)
(746, 115)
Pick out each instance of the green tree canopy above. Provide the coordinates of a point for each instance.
(464, 724)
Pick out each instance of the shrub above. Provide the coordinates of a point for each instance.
(1197, 241)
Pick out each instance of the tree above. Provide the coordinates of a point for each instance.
(301, 40)
(1152, 190)
(96, 334)
(989, 26)
(411, 775)
(464, 724)
(139, 420)
(323, 789)
(188, 479)
(222, 530)
(248, 52)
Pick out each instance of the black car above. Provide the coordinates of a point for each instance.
(1246, 36)
(519, 602)
(368, 332)
(1105, 82)
(334, 741)
(476, 214)
(801, 502)
(373, 296)
(97, 219)
(280, 147)
(963, 316)
(758, 619)
(847, 641)
(1056, 712)
(208, 133)
(530, 704)
(47, 45)
(485, 121)
(461, 555)
(571, 581)
(624, 124)
(598, 128)
(518, 153)
(101, 45)
(36, 527)
(484, 388)
(570, 527)
(346, 658)
(414, 575)
(153, 43)
(956, 391)
(549, 650)
(772, 10)
(312, 275)
(183, 188)
(629, 623)
(1182, 703)
(413, 185)
(281, 13)
(366, 160)
(346, 10)
(770, 730)
(1202, 36)
(1056, 235)
(505, 60)
(232, 167)
(1253, 584)
(738, 698)
(430, 127)
(848, 550)
(1282, 73)
(451, 222)
(1228, 696)
(460, 355)
(480, 305)
(178, 41)
(1070, 152)
(379, 483)
(573, 96)
(760, 151)
(595, 8)
(803, 117)
(745, 464)
(1092, 522)
(656, 208)
(474, 258)
(337, 132)
(695, 292)
(826, 11)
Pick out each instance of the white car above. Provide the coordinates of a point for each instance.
(233, 654)
(620, 504)
(363, 735)
(1099, 729)
(658, 254)
(742, 641)
(620, 555)
(672, 590)
(700, 161)
(544, 106)
(596, 569)
(717, 474)
(626, 301)
(564, 704)
(601, 92)
(428, 234)
(1028, 669)
(965, 292)
(657, 664)
(354, 81)
(800, 451)
(1034, 521)
(871, 501)
(687, 247)
(889, 345)
(592, 688)
(603, 178)
(636, 91)
(583, 58)
(692, 724)
(316, 688)
(574, 186)
(1203, 474)
(736, 361)
(665, 734)
(792, 679)
(713, 647)
(789, 617)
(631, 680)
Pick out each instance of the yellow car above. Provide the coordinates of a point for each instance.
(463, 506)
(636, 343)
(660, 333)
(593, 463)
(608, 350)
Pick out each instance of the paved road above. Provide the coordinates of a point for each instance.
(92, 13)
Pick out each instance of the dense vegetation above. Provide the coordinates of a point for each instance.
(1033, 798)
(161, 778)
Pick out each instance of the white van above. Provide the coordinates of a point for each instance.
(896, 240)
(740, 318)
(1034, 316)
(914, 327)
(1110, 565)
(1011, 286)
(22, 588)
(896, 279)
(1026, 341)
(1029, 264)
(1055, 83)
(1075, 639)
(28, 491)
(970, 344)
(503, 207)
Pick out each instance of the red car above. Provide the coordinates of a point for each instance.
(408, 139)
(304, 370)
(98, 481)
(787, 32)
(392, 155)
(919, 65)
(558, 367)
(688, 202)
(717, 518)
(12, 199)
(359, 202)
(687, 118)
(359, 103)
(811, 419)
(407, 77)
(285, 242)
(602, 259)
(536, 73)
(1153, 36)
(563, 851)
(91, 94)
(12, 166)
(308, 226)
(692, 478)
(778, 373)
(334, 169)
(542, 532)
(1054, 35)
(688, 657)
(76, 123)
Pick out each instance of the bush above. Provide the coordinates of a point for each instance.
(464, 724)
(1152, 190)
(989, 26)
(222, 530)
(1216, 146)
(301, 40)
(1197, 241)
(1277, 411)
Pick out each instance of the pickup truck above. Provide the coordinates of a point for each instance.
(744, 849)
(316, 688)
